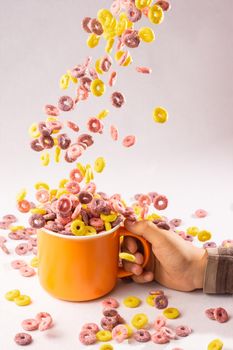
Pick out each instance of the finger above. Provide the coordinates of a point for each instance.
(132, 267)
(145, 277)
(130, 244)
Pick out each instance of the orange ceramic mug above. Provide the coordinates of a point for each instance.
(78, 268)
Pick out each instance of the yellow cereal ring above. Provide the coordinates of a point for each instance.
(51, 119)
(73, 79)
(52, 194)
(141, 4)
(130, 330)
(160, 115)
(108, 218)
(34, 262)
(16, 228)
(107, 226)
(41, 185)
(78, 228)
(34, 131)
(171, 312)
(106, 347)
(119, 54)
(81, 168)
(150, 299)
(132, 301)
(22, 300)
(40, 211)
(105, 17)
(139, 321)
(89, 169)
(121, 26)
(61, 192)
(57, 154)
(109, 45)
(97, 66)
(127, 257)
(193, 230)
(63, 182)
(88, 175)
(204, 236)
(64, 81)
(104, 335)
(21, 195)
(146, 34)
(215, 344)
(90, 231)
(155, 14)
(103, 114)
(93, 40)
(12, 294)
(45, 159)
(99, 164)
(97, 87)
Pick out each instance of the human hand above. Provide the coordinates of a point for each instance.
(174, 262)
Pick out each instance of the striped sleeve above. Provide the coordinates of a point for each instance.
(218, 278)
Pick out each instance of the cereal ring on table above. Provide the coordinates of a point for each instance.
(155, 14)
(21, 249)
(9, 218)
(159, 322)
(142, 336)
(114, 132)
(65, 103)
(131, 301)
(110, 312)
(175, 222)
(96, 27)
(97, 87)
(161, 302)
(63, 141)
(108, 323)
(51, 110)
(23, 206)
(12, 294)
(46, 141)
(106, 63)
(34, 262)
(221, 315)
(165, 6)
(156, 292)
(227, 243)
(171, 313)
(183, 331)
(86, 138)
(85, 197)
(91, 327)
(106, 347)
(87, 337)
(200, 213)
(94, 125)
(133, 13)
(23, 339)
(204, 235)
(215, 344)
(4, 225)
(22, 300)
(77, 228)
(159, 338)
(15, 235)
(30, 324)
(168, 332)
(85, 24)
(112, 79)
(120, 333)
(210, 313)
(131, 40)
(209, 245)
(129, 141)
(36, 145)
(150, 299)
(104, 335)
(117, 99)
(17, 264)
(110, 303)
(37, 221)
(160, 202)
(139, 321)
(27, 271)
(160, 115)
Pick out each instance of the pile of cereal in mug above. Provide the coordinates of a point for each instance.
(117, 27)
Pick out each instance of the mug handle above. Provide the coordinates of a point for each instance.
(146, 247)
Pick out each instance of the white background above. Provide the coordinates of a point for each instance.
(190, 158)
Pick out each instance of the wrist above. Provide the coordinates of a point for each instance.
(199, 268)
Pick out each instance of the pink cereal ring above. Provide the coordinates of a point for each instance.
(65, 103)
(110, 303)
(159, 338)
(75, 175)
(93, 73)
(92, 327)
(42, 196)
(17, 264)
(23, 339)
(200, 213)
(183, 331)
(51, 110)
(115, 7)
(4, 225)
(23, 206)
(9, 218)
(112, 79)
(120, 333)
(144, 70)
(73, 126)
(129, 141)
(82, 93)
(165, 6)
(77, 211)
(27, 271)
(87, 337)
(73, 187)
(159, 322)
(21, 249)
(30, 324)
(45, 320)
(97, 223)
(85, 24)
(91, 187)
(94, 125)
(86, 83)
(114, 132)
(96, 27)
(144, 200)
(145, 11)
(168, 332)
(54, 125)
(160, 202)
(105, 63)
(221, 315)
(74, 151)
(64, 205)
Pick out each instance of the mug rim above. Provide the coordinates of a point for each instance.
(101, 234)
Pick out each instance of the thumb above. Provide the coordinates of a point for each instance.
(147, 230)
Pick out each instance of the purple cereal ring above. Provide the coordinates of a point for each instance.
(165, 6)
(105, 63)
(23, 339)
(65, 103)
(142, 336)
(51, 110)
(221, 315)
(131, 40)
(37, 221)
(94, 125)
(110, 312)
(43, 129)
(92, 327)
(21, 249)
(9, 218)
(87, 337)
(209, 245)
(85, 197)
(117, 99)
(85, 217)
(36, 145)
(160, 202)
(134, 14)
(96, 27)
(161, 302)
(108, 323)
(63, 141)
(78, 71)
(183, 331)
(85, 24)
(85, 82)
(86, 138)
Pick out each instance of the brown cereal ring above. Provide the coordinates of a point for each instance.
(36, 145)
(85, 197)
(131, 40)
(105, 63)
(86, 138)
(43, 129)
(96, 27)
(63, 141)
(108, 323)
(65, 103)
(85, 82)
(51, 110)
(47, 141)
(23, 339)
(117, 99)
(142, 336)
(85, 24)
(165, 6)
(134, 14)
(37, 221)
(68, 159)
(160, 202)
